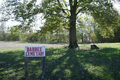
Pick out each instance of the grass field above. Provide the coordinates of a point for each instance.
(64, 64)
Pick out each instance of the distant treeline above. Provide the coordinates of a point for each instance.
(62, 36)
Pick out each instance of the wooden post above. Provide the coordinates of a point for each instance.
(26, 67)
(43, 68)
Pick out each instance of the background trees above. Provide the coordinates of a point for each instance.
(94, 20)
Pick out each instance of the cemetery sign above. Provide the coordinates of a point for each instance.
(34, 51)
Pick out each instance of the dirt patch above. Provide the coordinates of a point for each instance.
(5, 45)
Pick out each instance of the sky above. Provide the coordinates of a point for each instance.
(12, 22)
(116, 5)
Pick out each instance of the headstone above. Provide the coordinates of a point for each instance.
(94, 47)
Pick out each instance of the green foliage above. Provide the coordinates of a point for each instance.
(13, 35)
(108, 34)
(117, 30)
(24, 13)
(55, 19)
(102, 12)
(58, 15)
(32, 37)
(1, 35)
(105, 15)
(53, 24)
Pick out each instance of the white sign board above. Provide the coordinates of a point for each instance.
(34, 51)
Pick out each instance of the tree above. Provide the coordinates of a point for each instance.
(1, 33)
(5, 12)
(101, 10)
(13, 35)
(63, 14)
(117, 31)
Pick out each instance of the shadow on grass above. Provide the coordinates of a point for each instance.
(63, 64)
(11, 65)
(105, 63)
(67, 67)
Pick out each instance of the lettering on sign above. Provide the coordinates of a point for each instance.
(34, 51)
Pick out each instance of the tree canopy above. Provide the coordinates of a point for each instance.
(63, 14)
(68, 11)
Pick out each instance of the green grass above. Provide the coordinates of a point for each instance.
(64, 64)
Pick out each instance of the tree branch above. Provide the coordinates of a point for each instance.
(79, 11)
(82, 8)
(65, 3)
(60, 16)
(63, 10)
(70, 2)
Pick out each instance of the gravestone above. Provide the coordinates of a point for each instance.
(94, 47)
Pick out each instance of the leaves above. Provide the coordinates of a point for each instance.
(56, 14)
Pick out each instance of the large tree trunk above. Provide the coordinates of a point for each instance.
(72, 31)
(72, 37)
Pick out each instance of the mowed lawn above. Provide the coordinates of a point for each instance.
(64, 64)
